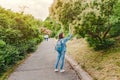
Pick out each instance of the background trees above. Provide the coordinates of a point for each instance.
(51, 25)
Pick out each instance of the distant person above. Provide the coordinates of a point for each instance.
(61, 49)
(46, 37)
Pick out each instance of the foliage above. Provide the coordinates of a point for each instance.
(19, 34)
(2, 43)
(95, 20)
(8, 56)
(115, 20)
(65, 11)
(52, 25)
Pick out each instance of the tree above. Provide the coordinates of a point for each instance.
(91, 19)
(65, 11)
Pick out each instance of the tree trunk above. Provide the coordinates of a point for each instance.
(94, 35)
(108, 29)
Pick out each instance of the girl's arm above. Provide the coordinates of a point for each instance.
(68, 38)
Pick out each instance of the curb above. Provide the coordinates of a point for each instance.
(83, 75)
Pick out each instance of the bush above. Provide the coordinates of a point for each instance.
(19, 34)
(2, 43)
(104, 45)
(8, 56)
(115, 30)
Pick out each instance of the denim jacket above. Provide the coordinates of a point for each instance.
(64, 41)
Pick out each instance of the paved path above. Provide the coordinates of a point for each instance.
(40, 66)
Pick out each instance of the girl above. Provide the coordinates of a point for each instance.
(61, 52)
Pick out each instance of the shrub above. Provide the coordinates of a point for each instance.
(8, 56)
(2, 43)
(19, 34)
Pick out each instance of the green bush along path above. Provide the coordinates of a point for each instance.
(40, 65)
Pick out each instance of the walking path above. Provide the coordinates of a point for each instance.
(40, 65)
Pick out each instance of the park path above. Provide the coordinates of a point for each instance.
(40, 65)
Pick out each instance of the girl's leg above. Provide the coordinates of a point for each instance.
(58, 59)
(62, 60)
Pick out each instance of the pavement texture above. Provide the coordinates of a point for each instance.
(40, 65)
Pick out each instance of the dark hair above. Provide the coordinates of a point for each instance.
(60, 36)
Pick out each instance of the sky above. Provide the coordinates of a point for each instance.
(38, 8)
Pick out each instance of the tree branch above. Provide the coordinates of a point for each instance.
(94, 35)
(108, 29)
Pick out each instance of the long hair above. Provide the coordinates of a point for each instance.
(60, 36)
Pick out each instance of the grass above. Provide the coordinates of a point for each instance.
(100, 65)
(12, 68)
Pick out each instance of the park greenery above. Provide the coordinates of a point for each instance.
(52, 25)
(95, 20)
(19, 35)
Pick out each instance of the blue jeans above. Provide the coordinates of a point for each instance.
(60, 57)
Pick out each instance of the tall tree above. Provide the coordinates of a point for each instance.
(92, 19)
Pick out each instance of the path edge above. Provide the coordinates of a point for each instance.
(83, 75)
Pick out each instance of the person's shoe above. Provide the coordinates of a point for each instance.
(56, 70)
(62, 70)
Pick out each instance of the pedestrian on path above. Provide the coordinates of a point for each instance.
(46, 37)
(61, 50)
